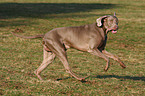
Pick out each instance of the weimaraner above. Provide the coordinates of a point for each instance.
(91, 38)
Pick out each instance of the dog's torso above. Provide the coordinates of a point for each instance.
(83, 38)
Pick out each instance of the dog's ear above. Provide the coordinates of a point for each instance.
(99, 21)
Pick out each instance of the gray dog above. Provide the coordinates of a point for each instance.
(91, 38)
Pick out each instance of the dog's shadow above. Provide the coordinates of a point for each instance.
(142, 78)
(122, 78)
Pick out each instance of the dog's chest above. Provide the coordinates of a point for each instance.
(103, 43)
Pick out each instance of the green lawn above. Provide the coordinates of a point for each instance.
(20, 57)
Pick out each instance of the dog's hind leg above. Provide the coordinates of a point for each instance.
(59, 50)
(48, 57)
(64, 60)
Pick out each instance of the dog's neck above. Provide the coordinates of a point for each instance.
(102, 31)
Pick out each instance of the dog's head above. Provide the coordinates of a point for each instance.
(109, 22)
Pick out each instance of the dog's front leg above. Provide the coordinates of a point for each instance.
(114, 57)
(100, 54)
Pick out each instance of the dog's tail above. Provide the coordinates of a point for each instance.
(29, 37)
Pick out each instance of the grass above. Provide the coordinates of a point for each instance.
(20, 57)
